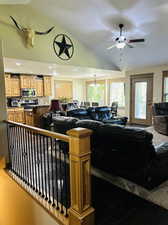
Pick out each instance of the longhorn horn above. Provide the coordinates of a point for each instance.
(16, 24)
(47, 32)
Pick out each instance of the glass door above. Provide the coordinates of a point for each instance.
(141, 100)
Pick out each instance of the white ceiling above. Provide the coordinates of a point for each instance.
(59, 71)
(94, 23)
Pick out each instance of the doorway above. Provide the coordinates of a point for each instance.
(141, 99)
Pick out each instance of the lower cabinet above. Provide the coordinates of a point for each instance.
(16, 114)
(29, 118)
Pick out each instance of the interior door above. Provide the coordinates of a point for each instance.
(141, 99)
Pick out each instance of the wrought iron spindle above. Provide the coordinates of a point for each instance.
(35, 160)
(65, 182)
(52, 172)
(28, 158)
(15, 152)
(56, 175)
(19, 153)
(60, 180)
(42, 171)
(9, 147)
(45, 167)
(48, 172)
(23, 152)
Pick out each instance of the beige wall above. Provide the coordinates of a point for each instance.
(43, 50)
(157, 83)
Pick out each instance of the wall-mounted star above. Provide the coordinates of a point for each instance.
(63, 47)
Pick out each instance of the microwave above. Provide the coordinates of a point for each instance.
(28, 92)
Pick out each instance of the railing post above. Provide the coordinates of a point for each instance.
(80, 212)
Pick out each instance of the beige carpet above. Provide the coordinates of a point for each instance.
(157, 138)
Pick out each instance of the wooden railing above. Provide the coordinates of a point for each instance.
(56, 167)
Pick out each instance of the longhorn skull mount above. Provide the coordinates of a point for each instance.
(29, 34)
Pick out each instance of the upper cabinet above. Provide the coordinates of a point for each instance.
(7, 85)
(12, 85)
(47, 85)
(39, 86)
(27, 81)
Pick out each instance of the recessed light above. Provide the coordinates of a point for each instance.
(50, 67)
(55, 73)
(18, 64)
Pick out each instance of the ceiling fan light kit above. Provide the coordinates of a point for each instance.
(122, 41)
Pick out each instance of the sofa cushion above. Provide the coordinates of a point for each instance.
(78, 113)
(89, 124)
(122, 148)
(62, 123)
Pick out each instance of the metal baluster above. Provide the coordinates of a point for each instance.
(56, 175)
(65, 183)
(39, 174)
(13, 147)
(22, 154)
(15, 154)
(36, 160)
(60, 167)
(45, 171)
(28, 158)
(48, 178)
(9, 147)
(52, 172)
(42, 170)
(19, 153)
(32, 159)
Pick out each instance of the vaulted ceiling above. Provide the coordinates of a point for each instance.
(95, 24)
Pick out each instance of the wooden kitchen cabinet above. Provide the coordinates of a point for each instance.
(39, 87)
(27, 81)
(16, 114)
(15, 86)
(12, 85)
(7, 85)
(29, 118)
(47, 86)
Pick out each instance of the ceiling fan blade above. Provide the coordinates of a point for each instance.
(113, 46)
(130, 46)
(136, 40)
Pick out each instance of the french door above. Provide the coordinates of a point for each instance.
(141, 99)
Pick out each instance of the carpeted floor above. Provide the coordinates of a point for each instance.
(115, 206)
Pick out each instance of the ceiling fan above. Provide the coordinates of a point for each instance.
(122, 41)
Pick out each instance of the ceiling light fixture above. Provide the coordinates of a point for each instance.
(18, 64)
(55, 73)
(120, 45)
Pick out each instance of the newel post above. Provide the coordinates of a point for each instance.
(80, 212)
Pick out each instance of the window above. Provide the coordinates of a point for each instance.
(96, 92)
(117, 93)
(165, 86)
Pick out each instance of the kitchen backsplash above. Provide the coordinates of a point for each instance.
(44, 101)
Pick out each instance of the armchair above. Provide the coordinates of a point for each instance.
(160, 117)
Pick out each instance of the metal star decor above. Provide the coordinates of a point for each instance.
(63, 47)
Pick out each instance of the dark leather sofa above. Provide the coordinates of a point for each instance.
(160, 117)
(102, 114)
(122, 151)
